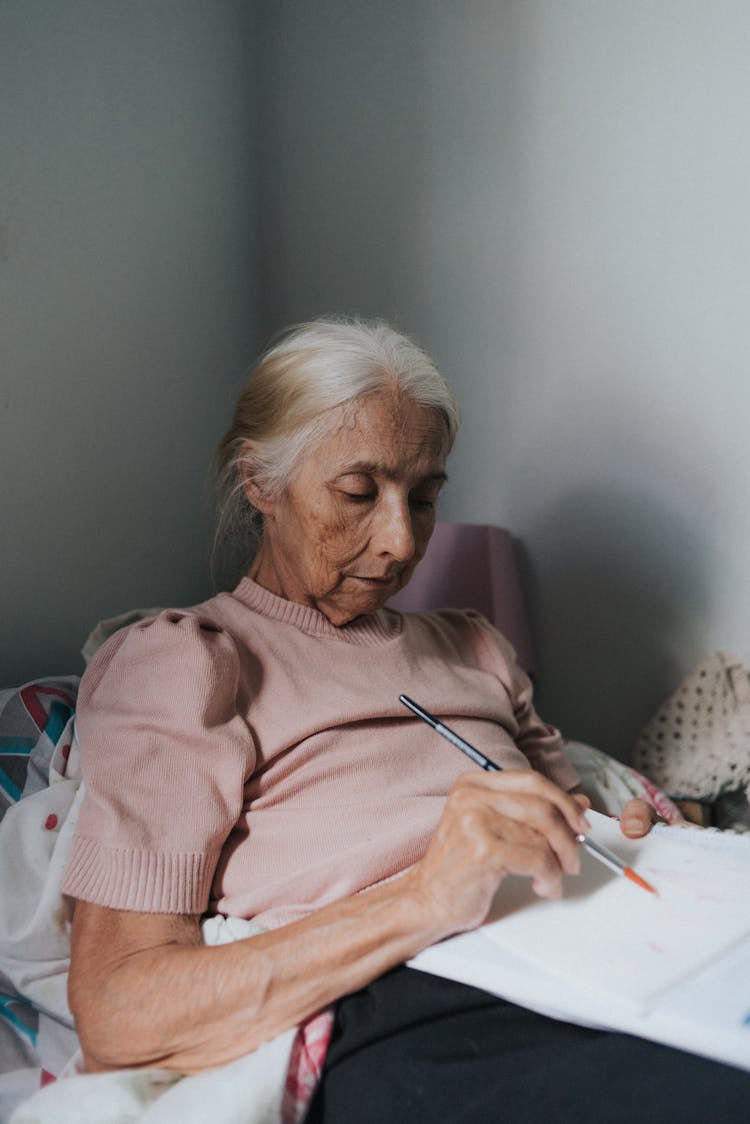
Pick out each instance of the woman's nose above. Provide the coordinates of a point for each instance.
(395, 532)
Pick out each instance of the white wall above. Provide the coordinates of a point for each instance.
(553, 196)
(127, 304)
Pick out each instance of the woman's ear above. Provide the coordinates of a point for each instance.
(250, 486)
(257, 497)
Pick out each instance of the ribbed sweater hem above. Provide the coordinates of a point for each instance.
(147, 881)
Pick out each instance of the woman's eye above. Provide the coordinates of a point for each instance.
(358, 497)
(422, 504)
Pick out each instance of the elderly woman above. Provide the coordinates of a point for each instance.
(249, 757)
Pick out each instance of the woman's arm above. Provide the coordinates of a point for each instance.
(145, 991)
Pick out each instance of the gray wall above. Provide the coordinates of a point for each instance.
(552, 195)
(127, 304)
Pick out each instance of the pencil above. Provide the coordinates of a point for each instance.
(600, 852)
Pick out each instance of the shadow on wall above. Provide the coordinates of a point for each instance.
(619, 596)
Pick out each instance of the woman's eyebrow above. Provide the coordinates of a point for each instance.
(371, 468)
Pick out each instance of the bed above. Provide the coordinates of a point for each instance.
(40, 789)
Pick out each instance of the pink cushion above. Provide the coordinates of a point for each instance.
(472, 566)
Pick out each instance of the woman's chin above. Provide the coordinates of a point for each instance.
(358, 603)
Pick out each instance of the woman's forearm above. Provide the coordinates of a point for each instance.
(151, 994)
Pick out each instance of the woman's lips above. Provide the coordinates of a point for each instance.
(376, 581)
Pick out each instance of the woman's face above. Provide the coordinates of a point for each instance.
(356, 518)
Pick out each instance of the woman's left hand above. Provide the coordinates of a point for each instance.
(637, 818)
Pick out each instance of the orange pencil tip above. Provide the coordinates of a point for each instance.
(630, 873)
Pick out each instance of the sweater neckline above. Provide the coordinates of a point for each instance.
(371, 630)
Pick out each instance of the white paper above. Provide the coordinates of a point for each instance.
(609, 935)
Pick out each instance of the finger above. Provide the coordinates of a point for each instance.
(530, 783)
(546, 820)
(524, 851)
(637, 818)
(547, 888)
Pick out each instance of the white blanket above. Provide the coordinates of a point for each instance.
(248, 1091)
(35, 842)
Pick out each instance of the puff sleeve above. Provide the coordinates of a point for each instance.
(165, 755)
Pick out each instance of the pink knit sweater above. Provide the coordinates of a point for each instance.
(247, 757)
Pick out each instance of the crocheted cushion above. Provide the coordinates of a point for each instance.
(697, 745)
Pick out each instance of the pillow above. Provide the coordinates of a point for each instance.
(34, 718)
(609, 784)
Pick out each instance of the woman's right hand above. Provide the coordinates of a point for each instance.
(493, 824)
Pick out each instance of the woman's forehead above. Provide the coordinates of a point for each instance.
(384, 434)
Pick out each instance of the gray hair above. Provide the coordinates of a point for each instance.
(287, 404)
